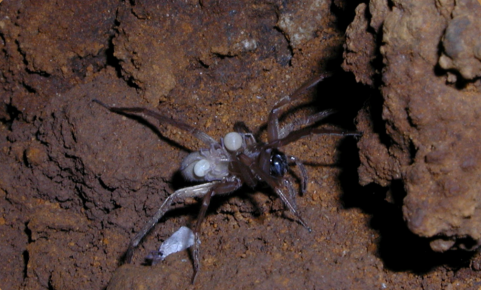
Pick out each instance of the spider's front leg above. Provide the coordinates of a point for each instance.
(273, 130)
(226, 186)
(179, 195)
(303, 171)
(277, 184)
(296, 135)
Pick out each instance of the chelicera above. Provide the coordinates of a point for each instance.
(223, 167)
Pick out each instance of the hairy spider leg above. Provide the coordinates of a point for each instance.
(291, 190)
(274, 184)
(303, 170)
(219, 188)
(241, 127)
(181, 125)
(273, 121)
(296, 135)
(179, 195)
(304, 122)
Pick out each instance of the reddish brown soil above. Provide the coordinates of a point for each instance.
(77, 182)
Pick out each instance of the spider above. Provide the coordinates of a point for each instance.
(236, 160)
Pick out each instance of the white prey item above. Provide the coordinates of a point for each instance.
(182, 239)
(179, 241)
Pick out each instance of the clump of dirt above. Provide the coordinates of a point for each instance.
(78, 181)
(429, 84)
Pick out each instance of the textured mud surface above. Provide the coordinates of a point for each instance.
(77, 182)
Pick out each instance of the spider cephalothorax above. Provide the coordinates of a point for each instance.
(236, 160)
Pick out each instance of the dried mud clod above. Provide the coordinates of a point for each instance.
(430, 112)
(461, 42)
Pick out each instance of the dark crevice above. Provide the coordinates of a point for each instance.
(40, 73)
(390, 4)
(114, 62)
(138, 10)
(50, 285)
(398, 248)
(105, 186)
(22, 53)
(412, 151)
(222, 56)
(28, 232)
(25, 254)
(132, 83)
(29, 88)
(202, 64)
(342, 94)
(459, 82)
(466, 243)
(83, 199)
(283, 58)
(25, 62)
(377, 63)
(12, 114)
(26, 258)
(374, 107)
(345, 12)
(111, 60)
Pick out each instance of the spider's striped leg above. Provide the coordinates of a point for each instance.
(202, 136)
(303, 170)
(296, 135)
(275, 184)
(273, 122)
(223, 187)
(179, 195)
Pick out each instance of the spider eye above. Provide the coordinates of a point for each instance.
(201, 168)
(233, 141)
(278, 163)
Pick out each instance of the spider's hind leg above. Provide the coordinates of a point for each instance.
(202, 136)
(223, 187)
(304, 177)
(179, 195)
